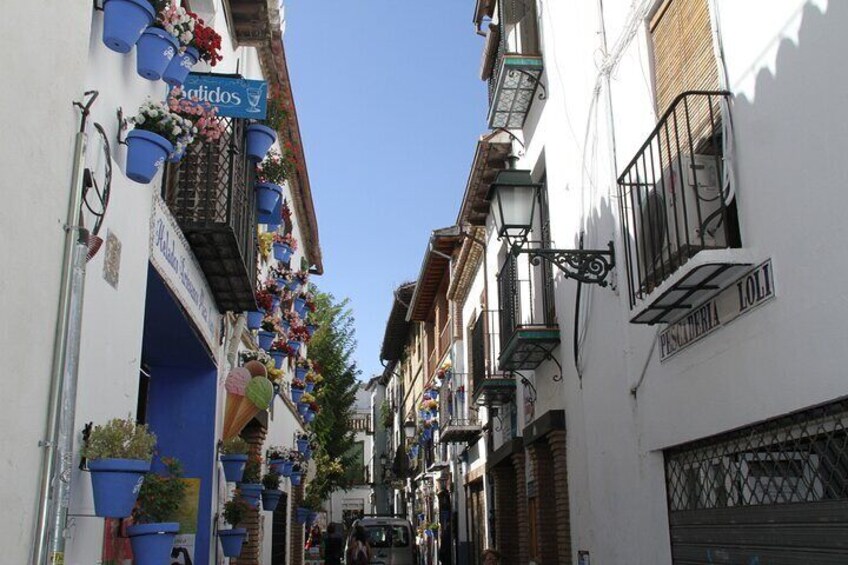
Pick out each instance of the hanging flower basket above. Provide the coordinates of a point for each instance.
(152, 543)
(154, 52)
(282, 252)
(233, 466)
(286, 471)
(146, 153)
(266, 339)
(300, 306)
(124, 21)
(309, 416)
(296, 394)
(254, 319)
(231, 541)
(310, 386)
(259, 140)
(302, 514)
(279, 357)
(276, 465)
(179, 67)
(251, 492)
(295, 477)
(302, 408)
(302, 445)
(270, 499)
(115, 483)
(300, 372)
(295, 347)
(267, 196)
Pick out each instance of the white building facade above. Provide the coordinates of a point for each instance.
(160, 324)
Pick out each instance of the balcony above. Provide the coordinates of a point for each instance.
(210, 193)
(678, 212)
(513, 85)
(528, 329)
(459, 424)
(490, 386)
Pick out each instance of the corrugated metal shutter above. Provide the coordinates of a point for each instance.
(773, 493)
(684, 58)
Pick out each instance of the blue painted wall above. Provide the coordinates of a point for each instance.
(181, 398)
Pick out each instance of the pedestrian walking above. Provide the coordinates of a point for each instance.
(359, 552)
(334, 545)
(491, 557)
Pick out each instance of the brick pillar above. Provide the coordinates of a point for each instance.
(523, 523)
(559, 459)
(251, 552)
(547, 522)
(296, 538)
(506, 523)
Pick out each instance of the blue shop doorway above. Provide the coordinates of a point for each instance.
(177, 399)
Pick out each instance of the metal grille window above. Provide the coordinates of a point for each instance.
(798, 458)
(778, 488)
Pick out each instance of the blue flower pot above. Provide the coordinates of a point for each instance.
(124, 21)
(279, 357)
(302, 445)
(146, 153)
(295, 345)
(267, 196)
(276, 465)
(311, 328)
(233, 466)
(428, 532)
(282, 252)
(285, 325)
(231, 541)
(302, 514)
(308, 453)
(274, 219)
(300, 372)
(251, 492)
(309, 416)
(294, 285)
(154, 52)
(152, 543)
(275, 302)
(300, 306)
(294, 477)
(254, 319)
(296, 395)
(179, 67)
(302, 408)
(270, 498)
(115, 483)
(259, 140)
(310, 387)
(286, 471)
(177, 155)
(266, 339)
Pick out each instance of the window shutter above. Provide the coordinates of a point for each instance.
(684, 58)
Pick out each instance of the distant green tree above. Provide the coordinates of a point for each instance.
(332, 348)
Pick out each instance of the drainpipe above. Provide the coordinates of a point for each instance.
(57, 445)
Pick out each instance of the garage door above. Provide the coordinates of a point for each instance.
(775, 493)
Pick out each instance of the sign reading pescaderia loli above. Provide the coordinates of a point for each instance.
(173, 259)
(235, 97)
(746, 293)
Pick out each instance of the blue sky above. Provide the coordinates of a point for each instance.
(390, 106)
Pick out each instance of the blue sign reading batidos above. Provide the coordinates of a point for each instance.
(234, 97)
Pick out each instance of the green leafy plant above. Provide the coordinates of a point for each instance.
(276, 113)
(271, 480)
(252, 470)
(236, 510)
(161, 496)
(386, 415)
(120, 439)
(234, 446)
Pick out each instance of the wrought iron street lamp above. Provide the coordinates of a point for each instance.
(514, 197)
(409, 429)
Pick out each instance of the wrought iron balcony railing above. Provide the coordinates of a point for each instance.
(210, 193)
(489, 385)
(529, 332)
(676, 201)
(459, 422)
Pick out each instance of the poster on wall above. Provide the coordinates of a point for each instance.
(116, 544)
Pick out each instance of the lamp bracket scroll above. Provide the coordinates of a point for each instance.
(589, 266)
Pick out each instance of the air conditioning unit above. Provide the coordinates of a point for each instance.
(680, 215)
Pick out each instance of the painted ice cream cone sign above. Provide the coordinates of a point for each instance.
(241, 409)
